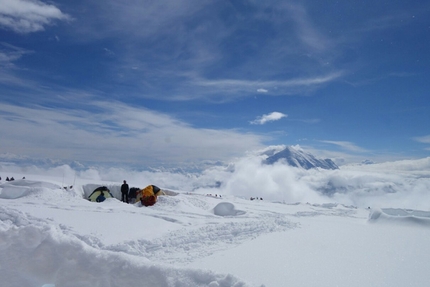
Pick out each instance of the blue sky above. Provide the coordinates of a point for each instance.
(183, 82)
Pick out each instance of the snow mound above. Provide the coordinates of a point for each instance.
(396, 215)
(36, 253)
(21, 188)
(227, 209)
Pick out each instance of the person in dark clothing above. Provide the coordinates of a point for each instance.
(124, 192)
(132, 194)
(101, 197)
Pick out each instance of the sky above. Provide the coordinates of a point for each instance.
(51, 237)
(175, 83)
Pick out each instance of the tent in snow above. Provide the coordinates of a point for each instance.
(148, 195)
(100, 194)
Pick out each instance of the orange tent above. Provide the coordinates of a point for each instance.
(148, 195)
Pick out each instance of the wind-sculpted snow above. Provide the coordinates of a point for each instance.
(396, 215)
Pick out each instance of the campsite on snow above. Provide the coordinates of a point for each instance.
(189, 143)
(313, 226)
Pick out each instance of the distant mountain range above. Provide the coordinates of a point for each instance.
(40, 162)
(292, 155)
(296, 157)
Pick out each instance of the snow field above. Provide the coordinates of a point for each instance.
(51, 236)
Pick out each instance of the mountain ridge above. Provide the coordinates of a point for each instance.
(297, 157)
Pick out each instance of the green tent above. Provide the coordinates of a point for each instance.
(100, 194)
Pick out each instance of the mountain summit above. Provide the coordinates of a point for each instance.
(296, 157)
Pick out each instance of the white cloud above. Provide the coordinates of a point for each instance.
(274, 116)
(262, 91)
(25, 16)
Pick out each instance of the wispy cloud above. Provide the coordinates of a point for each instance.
(108, 52)
(274, 116)
(306, 31)
(396, 18)
(247, 84)
(10, 53)
(10, 70)
(204, 59)
(307, 121)
(346, 145)
(243, 87)
(423, 139)
(25, 16)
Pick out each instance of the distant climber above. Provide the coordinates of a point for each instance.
(124, 192)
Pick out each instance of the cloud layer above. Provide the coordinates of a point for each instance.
(401, 184)
(117, 133)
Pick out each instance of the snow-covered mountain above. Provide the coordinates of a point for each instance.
(295, 156)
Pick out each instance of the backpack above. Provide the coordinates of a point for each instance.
(148, 200)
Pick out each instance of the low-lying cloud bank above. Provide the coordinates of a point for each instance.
(401, 184)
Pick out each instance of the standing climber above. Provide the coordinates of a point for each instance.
(124, 192)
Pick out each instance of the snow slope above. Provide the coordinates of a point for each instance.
(51, 236)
